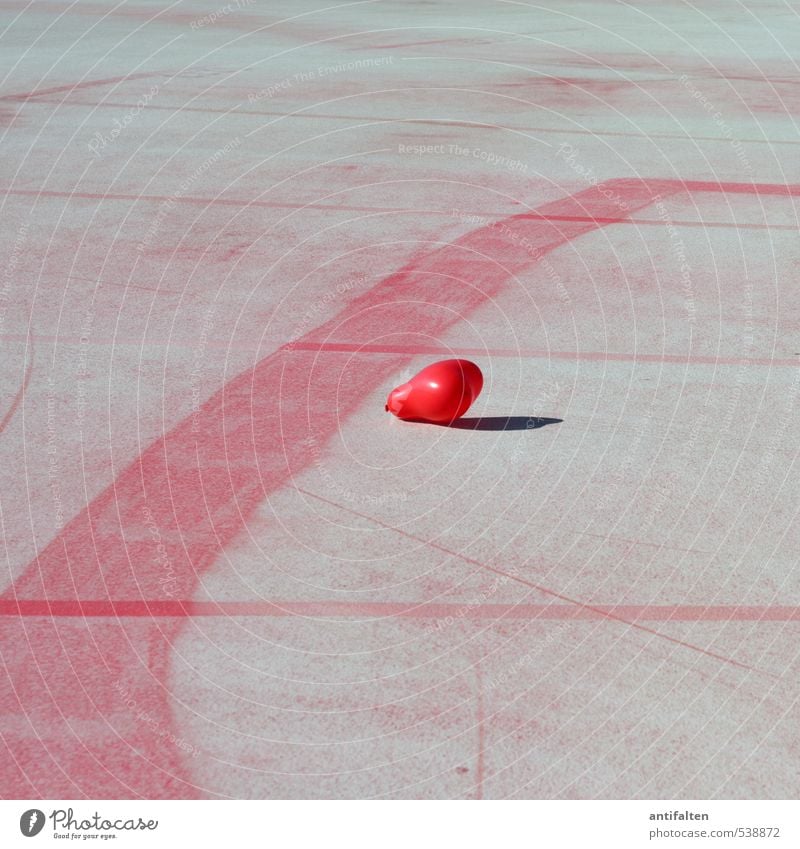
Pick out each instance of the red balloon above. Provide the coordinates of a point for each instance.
(440, 393)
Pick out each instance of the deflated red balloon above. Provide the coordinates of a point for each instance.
(440, 393)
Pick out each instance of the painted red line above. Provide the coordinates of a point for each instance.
(164, 15)
(28, 95)
(169, 514)
(20, 394)
(172, 608)
(435, 350)
(459, 42)
(260, 204)
(438, 122)
(236, 202)
(516, 353)
(792, 190)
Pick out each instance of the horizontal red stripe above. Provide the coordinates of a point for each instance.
(693, 186)
(436, 350)
(80, 86)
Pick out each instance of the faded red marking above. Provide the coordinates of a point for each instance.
(175, 608)
(460, 41)
(416, 350)
(191, 199)
(8, 118)
(249, 23)
(555, 217)
(20, 394)
(466, 41)
(240, 202)
(590, 356)
(198, 486)
(440, 122)
(81, 85)
(782, 190)
(151, 15)
(611, 614)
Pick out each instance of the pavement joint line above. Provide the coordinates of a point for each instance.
(603, 613)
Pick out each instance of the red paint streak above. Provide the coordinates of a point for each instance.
(297, 26)
(416, 43)
(742, 188)
(176, 608)
(149, 15)
(455, 41)
(189, 199)
(442, 350)
(516, 353)
(438, 122)
(611, 614)
(196, 487)
(17, 400)
(238, 202)
(576, 216)
(8, 118)
(80, 86)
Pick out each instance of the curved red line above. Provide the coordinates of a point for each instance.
(95, 690)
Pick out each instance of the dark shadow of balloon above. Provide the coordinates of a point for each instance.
(502, 423)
